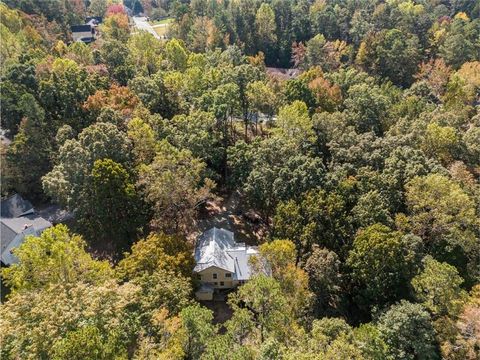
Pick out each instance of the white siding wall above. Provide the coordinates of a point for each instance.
(207, 276)
(77, 36)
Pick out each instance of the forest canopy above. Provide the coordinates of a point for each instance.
(349, 132)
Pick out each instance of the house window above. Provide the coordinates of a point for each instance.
(215, 283)
(214, 276)
(228, 275)
(222, 283)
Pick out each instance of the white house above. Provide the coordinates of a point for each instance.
(221, 263)
(85, 33)
(18, 219)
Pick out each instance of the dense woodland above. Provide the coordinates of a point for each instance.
(364, 170)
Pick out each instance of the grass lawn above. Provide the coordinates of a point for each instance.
(161, 22)
(161, 30)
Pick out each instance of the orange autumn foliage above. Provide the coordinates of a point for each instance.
(115, 9)
(328, 95)
(118, 98)
(436, 73)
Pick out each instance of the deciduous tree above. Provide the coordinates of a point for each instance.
(324, 279)
(55, 257)
(444, 215)
(407, 330)
(157, 252)
(383, 262)
(263, 296)
(173, 184)
(437, 287)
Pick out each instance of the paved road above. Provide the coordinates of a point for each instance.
(141, 23)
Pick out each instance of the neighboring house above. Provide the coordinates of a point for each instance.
(18, 219)
(128, 11)
(283, 74)
(93, 20)
(85, 33)
(221, 263)
(4, 140)
(15, 206)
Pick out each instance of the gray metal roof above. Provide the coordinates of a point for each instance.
(241, 257)
(15, 206)
(211, 250)
(217, 248)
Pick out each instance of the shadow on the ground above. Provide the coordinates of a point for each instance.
(231, 214)
(221, 311)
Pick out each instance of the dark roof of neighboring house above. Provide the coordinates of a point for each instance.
(15, 206)
(128, 10)
(7, 234)
(13, 226)
(81, 28)
(19, 224)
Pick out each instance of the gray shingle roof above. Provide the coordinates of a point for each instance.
(11, 227)
(15, 206)
(7, 234)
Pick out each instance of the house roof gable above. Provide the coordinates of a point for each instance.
(212, 267)
(211, 250)
(81, 28)
(15, 206)
(217, 248)
(11, 227)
